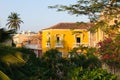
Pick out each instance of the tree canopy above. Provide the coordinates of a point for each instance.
(14, 21)
(5, 34)
(105, 12)
(92, 8)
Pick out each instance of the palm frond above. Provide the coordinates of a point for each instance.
(14, 21)
(3, 76)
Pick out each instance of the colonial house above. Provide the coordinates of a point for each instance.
(29, 40)
(66, 36)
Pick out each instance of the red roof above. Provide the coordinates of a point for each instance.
(71, 26)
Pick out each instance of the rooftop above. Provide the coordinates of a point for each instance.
(71, 26)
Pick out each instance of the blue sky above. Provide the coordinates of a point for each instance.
(36, 14)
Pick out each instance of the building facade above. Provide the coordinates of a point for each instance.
(66, 36)
(29, 40)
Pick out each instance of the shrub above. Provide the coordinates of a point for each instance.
(95, 74)
(110, 52)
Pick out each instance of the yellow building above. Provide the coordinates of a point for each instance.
(66, 36)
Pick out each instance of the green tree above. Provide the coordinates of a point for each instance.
(5, 34)
(51, 62)
(55, 67)
(10, 60)
(85, 57)
(91, 8)
(14, 21)
(95, 74)
(102, 12)
(18, 64)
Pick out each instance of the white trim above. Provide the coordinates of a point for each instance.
(48, 44)
(59, 45)
(80, 35)
(33, 46)
(75, 45)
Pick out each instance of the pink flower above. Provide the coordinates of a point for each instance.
(106, 56)
(113, 55)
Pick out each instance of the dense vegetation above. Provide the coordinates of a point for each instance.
(83, 63)
(12, 61)
(22, 64)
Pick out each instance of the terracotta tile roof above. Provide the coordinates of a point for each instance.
(71, 26)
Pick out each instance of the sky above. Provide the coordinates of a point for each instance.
(35, 13)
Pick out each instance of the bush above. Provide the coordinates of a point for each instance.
(85, 57)
(95, 74)
(110, 52)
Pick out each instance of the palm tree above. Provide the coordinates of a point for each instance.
(14, 21)
(12, 61)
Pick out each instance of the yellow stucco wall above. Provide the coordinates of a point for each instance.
(68, 39)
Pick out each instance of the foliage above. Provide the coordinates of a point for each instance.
(52, 66)
(105, 12)
(85, 57)
(52, 54)
(14, 62)
(57, 68)
(6, 34)
(10, 56)
(3, 76)
(110, 52)
(95, 74)
(14, 21)
(92, 8)
(31, 68)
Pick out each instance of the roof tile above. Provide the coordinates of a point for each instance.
(71, 26)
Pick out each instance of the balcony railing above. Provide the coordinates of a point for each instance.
(59, 45)
(78, 44)
(33, 46)
(48, 44)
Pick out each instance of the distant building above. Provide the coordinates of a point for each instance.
(29, 40)
(66, 36)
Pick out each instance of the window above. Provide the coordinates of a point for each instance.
(58, 39)
(48, 40)
(58, 43)
(78, 39)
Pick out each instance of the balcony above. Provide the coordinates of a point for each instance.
(33, 46)
(59, 45)
(78, 44)
(48, 44)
